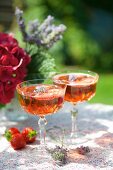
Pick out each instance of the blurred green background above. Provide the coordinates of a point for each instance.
(87, 42)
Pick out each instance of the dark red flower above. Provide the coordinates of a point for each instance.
(13, 66)
(8, 41)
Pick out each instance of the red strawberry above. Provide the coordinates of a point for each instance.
(11, 131)
(29, 134)
(15, 138)
(17, 141)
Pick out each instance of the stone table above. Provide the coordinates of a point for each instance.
(94, 122)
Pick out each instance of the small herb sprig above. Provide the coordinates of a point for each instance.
(83, 150)
(59, 154)
(40, 90)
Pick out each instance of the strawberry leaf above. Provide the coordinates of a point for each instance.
(32, 134)
(8, 135)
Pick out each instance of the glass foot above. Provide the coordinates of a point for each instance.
(75, 140)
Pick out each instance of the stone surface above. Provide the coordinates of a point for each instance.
(95, 129)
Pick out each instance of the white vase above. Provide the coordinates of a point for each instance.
(14, 112)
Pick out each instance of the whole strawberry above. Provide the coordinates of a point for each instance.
(16, 140)
(11, 131)
(29, 134)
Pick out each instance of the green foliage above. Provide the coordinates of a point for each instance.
(80, 47)
(1, 106)
(41, 64)
(104, 92)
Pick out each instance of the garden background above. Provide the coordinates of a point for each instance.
(87, 42)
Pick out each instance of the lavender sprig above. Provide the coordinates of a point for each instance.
(43, 35)
(33, 25)
(83, 150)
(47, 22)
(59, 154)
(54, 35)
(21, 23)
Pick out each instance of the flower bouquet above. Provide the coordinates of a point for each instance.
(18, 64)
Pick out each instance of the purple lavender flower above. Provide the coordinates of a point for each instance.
(55, 35)
(43, 35)
(33, 26)
(18, 13)
(21, 23)
(47, 22)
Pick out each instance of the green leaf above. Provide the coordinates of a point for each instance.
(8, 135)
(40, 66)
(2, 105)
(32, 134)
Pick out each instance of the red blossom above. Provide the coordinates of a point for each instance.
(13, 66)
(8, 41)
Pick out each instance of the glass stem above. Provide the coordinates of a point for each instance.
(42, 122)
(74, 125)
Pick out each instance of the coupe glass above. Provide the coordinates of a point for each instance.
(81, 86)
(40, 97)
